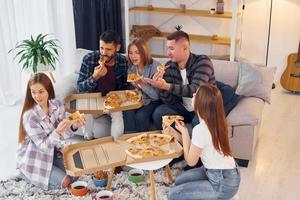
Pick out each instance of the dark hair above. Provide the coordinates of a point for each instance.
(29, 101)
(144, 51)
(177, 35)
(208, 105)
(110, 37)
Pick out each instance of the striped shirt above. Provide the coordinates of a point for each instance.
(35, 154)
(86, 83)
(199, 70)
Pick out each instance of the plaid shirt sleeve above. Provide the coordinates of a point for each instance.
(36, 133)
(85, 82)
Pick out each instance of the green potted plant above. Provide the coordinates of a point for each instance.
(37, 54)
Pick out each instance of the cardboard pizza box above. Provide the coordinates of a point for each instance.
(88, 103)
(91, 156)
(107, 152)
(93, 103)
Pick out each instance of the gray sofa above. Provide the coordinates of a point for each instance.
(243, 121)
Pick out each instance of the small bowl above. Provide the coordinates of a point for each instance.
(103, 195)
(79, 188)
(136, 175)
(99, 182)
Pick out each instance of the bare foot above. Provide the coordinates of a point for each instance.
(66, 182)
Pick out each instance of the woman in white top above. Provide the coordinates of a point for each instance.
(219, 177)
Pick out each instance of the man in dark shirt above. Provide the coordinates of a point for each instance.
(105, 76)
(185, 72)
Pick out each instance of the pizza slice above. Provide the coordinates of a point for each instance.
(103, 59)
(160, 139)
(140, 140)
(112, 101)
(161, 68)
(74, 116)
(146, 152)
(170, 119)
(132, 77)
(133, 95)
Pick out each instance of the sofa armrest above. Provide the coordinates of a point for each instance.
(248, 111)
(66, 86)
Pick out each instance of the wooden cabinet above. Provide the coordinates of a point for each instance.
(231, 41)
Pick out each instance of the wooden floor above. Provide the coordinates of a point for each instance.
(275, 171)
(273, 174)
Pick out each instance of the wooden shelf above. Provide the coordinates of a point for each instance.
(202, 38)
(176, 11)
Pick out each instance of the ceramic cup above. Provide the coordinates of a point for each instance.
(136, 175)
(212, 11)
(103, 195)
(79, 188)
(99, 182)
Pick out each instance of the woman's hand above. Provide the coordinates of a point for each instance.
(61, 127)
(79, 122)
(168, 130)
(180, 126)
(141, 83)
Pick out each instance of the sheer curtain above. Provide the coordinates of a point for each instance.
(18, 20)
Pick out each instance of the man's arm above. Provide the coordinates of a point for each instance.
(85, 82)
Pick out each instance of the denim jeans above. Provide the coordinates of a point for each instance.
(200, 183)
(58, 172)
(168, 109)
(139, 119)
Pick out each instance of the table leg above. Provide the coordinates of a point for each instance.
(169, 174)
(152, 185)
(110, 176)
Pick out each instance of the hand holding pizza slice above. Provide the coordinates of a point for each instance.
(170, 119)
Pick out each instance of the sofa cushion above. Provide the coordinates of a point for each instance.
(65, 86)
(230, 99)
(255, 81)
(247, 112)
(226, 72)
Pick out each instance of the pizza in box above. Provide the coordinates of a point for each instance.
(148, 145)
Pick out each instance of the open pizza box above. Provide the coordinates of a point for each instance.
(93, 103)
(104, 153)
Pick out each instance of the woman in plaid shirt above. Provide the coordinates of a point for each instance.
(43, 125)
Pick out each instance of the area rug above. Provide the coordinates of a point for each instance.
(17, 189)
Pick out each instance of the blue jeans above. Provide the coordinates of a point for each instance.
(168, 109)
(139, 119)
(201, 183)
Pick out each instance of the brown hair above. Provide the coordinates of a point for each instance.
(144, 51)
(29, 101)
(208, 105)
(177, 35)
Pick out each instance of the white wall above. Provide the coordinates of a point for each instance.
(252, 29)
(285, 33)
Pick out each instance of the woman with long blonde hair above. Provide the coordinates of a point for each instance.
(219, 177)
